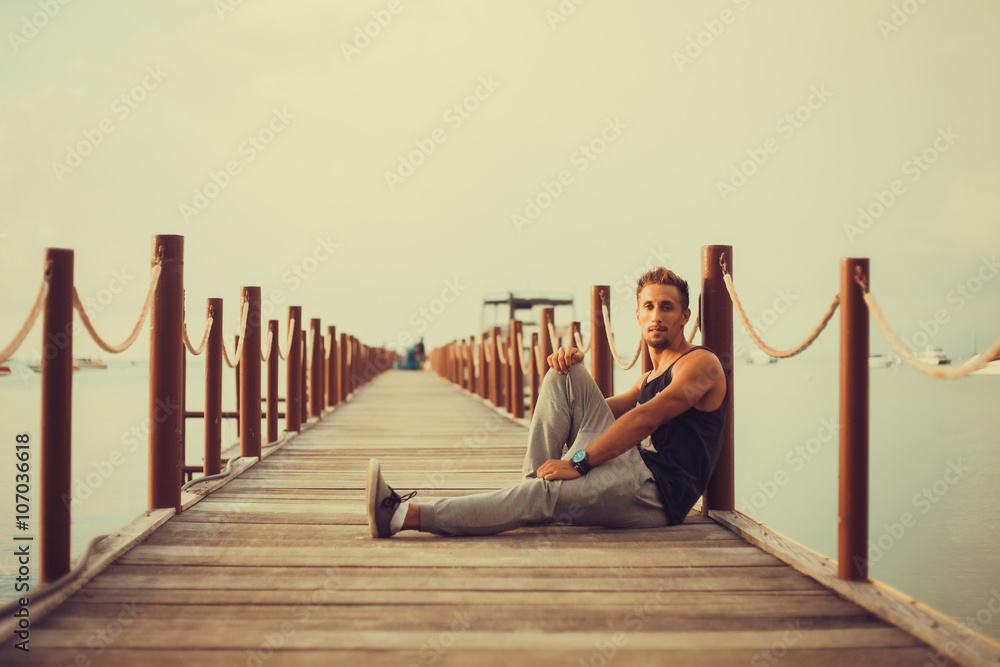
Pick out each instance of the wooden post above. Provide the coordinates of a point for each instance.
(516, 372)
(250, 377)
(852, 532)
(495, 371)
(536, 379)
(272, 382)
(166, 416)
(332, 379)
(316, 369)
(717, 335)
(57, 415)
(303, 378)
(213, 391)
(293, 371)
(600, 352)
(548, 317)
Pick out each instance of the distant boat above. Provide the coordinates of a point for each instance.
(5, 369)
(883, 361)
(89, 363)
(760, 358)
(37, 366)
(934, 355)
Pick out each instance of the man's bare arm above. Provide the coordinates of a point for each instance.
(625, 401)
(691, 381)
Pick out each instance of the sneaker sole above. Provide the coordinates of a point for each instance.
(371, 490)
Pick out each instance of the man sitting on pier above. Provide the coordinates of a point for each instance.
(640, 459)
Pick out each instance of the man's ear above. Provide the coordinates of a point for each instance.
(687, 315)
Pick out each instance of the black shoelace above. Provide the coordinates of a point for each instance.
(394, 499)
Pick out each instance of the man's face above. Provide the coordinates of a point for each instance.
(661, 318)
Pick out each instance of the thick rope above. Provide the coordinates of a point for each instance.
(264, 356)
(932, 370)
(115, 349)
(578, 339)
(539, 361)
(283, 354)
(501, 354)
(694, 329)
(779, 354)
(552, 336)
(525, 365)
(8, 352)
(611, 341)
(244, 311)
(204, 340)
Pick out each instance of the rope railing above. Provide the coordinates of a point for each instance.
(101, 343)
(778, 354)
(283, 354)
(611, 341)
(266, 356)
(525, 365)
(578, 339)
(501, 355)
(694, 329)
(539, 361)
(204, 340)
(29, 322)
(932, 370)
(244, 311)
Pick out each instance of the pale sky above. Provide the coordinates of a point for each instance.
(835, 105)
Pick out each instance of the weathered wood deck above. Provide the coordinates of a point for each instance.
(277, 568)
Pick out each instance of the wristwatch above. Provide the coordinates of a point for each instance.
(581, 462)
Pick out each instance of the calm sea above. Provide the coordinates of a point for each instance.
(935, 467)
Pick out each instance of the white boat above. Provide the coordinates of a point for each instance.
(934, 355)
(883, 361)
(760, 358)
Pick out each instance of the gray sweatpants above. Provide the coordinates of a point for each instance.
(570, 412)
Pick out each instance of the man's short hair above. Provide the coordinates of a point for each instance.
(662, 276)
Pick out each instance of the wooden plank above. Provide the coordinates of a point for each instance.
(446, 651)
(944, 634)
(287, 542)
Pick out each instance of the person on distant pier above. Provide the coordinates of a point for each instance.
(640, 459)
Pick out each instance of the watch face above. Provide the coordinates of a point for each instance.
(580, 456)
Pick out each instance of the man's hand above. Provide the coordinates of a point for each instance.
(554, 469)
(563, 359)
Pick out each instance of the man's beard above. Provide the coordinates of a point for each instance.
(660, 344)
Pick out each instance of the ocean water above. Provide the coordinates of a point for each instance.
(934, 467)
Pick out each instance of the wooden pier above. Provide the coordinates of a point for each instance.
(277, 568)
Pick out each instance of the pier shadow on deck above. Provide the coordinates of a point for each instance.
(277, 568)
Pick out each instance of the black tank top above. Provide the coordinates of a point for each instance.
(686, 449)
